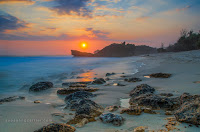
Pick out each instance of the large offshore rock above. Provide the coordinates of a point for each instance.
(141, 89)
(41, 86)
(116, 120)
(59, 127)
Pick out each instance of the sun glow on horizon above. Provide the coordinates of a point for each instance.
(83, 45)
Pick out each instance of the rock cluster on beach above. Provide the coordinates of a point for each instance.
(58, 127)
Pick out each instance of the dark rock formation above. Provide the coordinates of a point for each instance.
(160, 75)
(141, 89)
(155, 101)
(132, 79)
(70, 90)
(99, 81)
(110, 74)
(41, 86)
(117, 50)
(59, 127)
(166, 94)
(10, 99)
(189, 110)
(116, 120)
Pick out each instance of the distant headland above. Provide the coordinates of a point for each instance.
(188, 40)
(117, 50)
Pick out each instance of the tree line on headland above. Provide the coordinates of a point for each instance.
(188, 40)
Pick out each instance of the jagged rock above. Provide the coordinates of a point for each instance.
(75, 83)
(41, 86)
(37, 102)
(187, 97)
(70, 90)
(59, 127)
(140, 129)
(160, 75)
(155, 101)
(166, 94)
(10, 99)
(133, 110)
(72, 100)
(132, 79)
(89, 107)
(141, 89)
(99, 81)
(189, 112)
(116, 120)
(82, 122)
(110, 74)
(112, 108)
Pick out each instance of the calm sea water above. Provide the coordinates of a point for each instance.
(15, 72)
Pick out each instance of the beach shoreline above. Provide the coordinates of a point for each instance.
(184, 67)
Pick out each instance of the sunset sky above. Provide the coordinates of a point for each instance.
(54, 27)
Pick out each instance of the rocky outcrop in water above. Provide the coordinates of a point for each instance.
(66, 91)
(10, 99)
(116, 120)
(132, 79)
(41, 86)
(58, 127)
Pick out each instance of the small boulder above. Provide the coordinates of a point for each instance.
(116, 120)
(75, 83)
(141, 89)
(41, 86)
(99, 81)
(37, 101)
(132, 79)
(58, 127)
(160, 75)
(133, 110)
(110, 74)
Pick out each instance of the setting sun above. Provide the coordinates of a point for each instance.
(83, 45)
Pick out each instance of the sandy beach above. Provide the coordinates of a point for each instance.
(26, 116)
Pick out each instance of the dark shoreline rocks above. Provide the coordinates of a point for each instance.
(40, 86)
(10, 99)
(57, 127)
(70, 90)
(132, 79)
(160, 75)
(116, 120)
(141, 89)
(99, 81)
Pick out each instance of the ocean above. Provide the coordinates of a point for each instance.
(18, 72)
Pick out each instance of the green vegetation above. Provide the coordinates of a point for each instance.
(189, 40)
